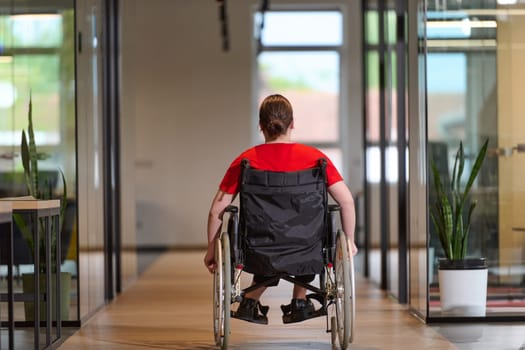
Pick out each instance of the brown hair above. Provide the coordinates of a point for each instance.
(275, 116)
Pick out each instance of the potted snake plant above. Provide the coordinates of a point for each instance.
(39, 187)
(462, 278)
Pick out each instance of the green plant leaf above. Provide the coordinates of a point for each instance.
(476, 167)
(441, 233)
(30, 158)
(454, 175)
(63, 202)
(443, 217)
(448, 217)
(33, 158)
(438, 184)
(24, 150)
(449, 223)
(460, 157)
(464, 243)
(458, 234)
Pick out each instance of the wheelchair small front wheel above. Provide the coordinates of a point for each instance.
(344, 298)
(222, 292)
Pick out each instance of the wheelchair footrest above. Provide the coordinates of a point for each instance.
(300, 310)
(252, 311)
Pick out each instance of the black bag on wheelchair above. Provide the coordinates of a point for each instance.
(283, 220)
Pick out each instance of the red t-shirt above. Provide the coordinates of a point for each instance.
(278, 157)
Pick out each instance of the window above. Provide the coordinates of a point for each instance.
(299, 58)
(34, 59)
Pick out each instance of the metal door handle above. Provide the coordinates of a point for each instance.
(507, 152)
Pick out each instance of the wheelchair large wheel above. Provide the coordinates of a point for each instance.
(222, 292)
(344, 298)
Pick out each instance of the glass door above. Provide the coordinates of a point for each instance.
(475, 75)
(508, 269)
(385, 137)
(37, 64)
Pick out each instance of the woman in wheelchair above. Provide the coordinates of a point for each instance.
(279, 154)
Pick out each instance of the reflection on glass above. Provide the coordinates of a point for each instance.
(447, 88)
(36, 30)
(372, 27)
(372, 97)
(38, 75)
(37, 60)
(372, 151)
(473, 95)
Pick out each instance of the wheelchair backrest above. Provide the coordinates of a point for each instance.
(283, 218)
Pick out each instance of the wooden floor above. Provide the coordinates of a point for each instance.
(170, 307)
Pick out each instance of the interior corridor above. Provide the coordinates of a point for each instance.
(170, 307)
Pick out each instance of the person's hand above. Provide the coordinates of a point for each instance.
(209, 258)
(352, 248)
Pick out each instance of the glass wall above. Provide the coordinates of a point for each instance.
(385, 134)
(474, 72)
(37, 62)
(417, 200)
(92, 154)
(373, 117)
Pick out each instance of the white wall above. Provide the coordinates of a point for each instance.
(129, 265)
(192, 104)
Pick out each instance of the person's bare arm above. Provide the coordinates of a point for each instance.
(342, 195)
(219, 203)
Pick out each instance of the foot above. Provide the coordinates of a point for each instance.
(252, 311)
(298, 310)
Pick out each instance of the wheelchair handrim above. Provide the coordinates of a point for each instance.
(222, 285)
(343, 289)
(218, 296)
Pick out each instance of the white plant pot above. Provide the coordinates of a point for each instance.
(463, 292)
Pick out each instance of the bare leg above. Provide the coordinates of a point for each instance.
(300, 308)
(299, 292)
(256, 293)
(250, 309)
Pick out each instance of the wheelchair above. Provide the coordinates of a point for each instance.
(285, 228)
